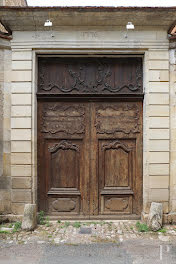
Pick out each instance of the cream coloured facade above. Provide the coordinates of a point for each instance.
(75, 35)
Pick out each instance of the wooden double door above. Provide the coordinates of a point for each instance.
(90, 159)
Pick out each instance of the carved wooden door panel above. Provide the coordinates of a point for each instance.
(90, 76)
(63, 162)
(116, 159)
(90, 159)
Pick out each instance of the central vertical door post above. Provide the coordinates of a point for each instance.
(94, 206)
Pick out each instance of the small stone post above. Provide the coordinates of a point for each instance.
(155, 216)
(30, 217)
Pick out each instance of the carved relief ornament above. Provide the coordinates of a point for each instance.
(65, 145)
(119, 119)
(68, 119)
(89, 77)
(116, 145)
(64, 205)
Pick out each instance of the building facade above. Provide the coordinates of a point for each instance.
(88, 112)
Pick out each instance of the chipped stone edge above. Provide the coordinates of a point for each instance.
(167, 218)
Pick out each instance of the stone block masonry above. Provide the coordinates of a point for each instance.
(21, 124)
(158, 110)
(157, 130)
(173, 128)
(5, 146)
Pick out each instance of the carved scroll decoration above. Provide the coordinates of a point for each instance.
(115, 145)
(86, 86)
(116, 118)
(68, 119)
(65, 145)
(51, 84)
(81, 82)
(129, 85)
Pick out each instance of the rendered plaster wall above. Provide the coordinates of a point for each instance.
(5, 139)
(153, 44)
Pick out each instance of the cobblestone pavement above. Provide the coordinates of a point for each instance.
(87, 242)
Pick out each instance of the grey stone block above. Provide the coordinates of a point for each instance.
(155, 216)
(30, 217)
(85, 230)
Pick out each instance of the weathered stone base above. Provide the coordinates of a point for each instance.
(10, 218)
(167, 218)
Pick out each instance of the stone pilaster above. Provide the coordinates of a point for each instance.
(173, 131)
(5, 149)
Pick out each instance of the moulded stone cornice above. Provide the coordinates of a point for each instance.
(33, 18)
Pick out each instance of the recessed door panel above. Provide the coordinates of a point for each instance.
(113, 204)
(61, 154)
(116, 164)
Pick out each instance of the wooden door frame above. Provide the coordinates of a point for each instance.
(75, 53)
